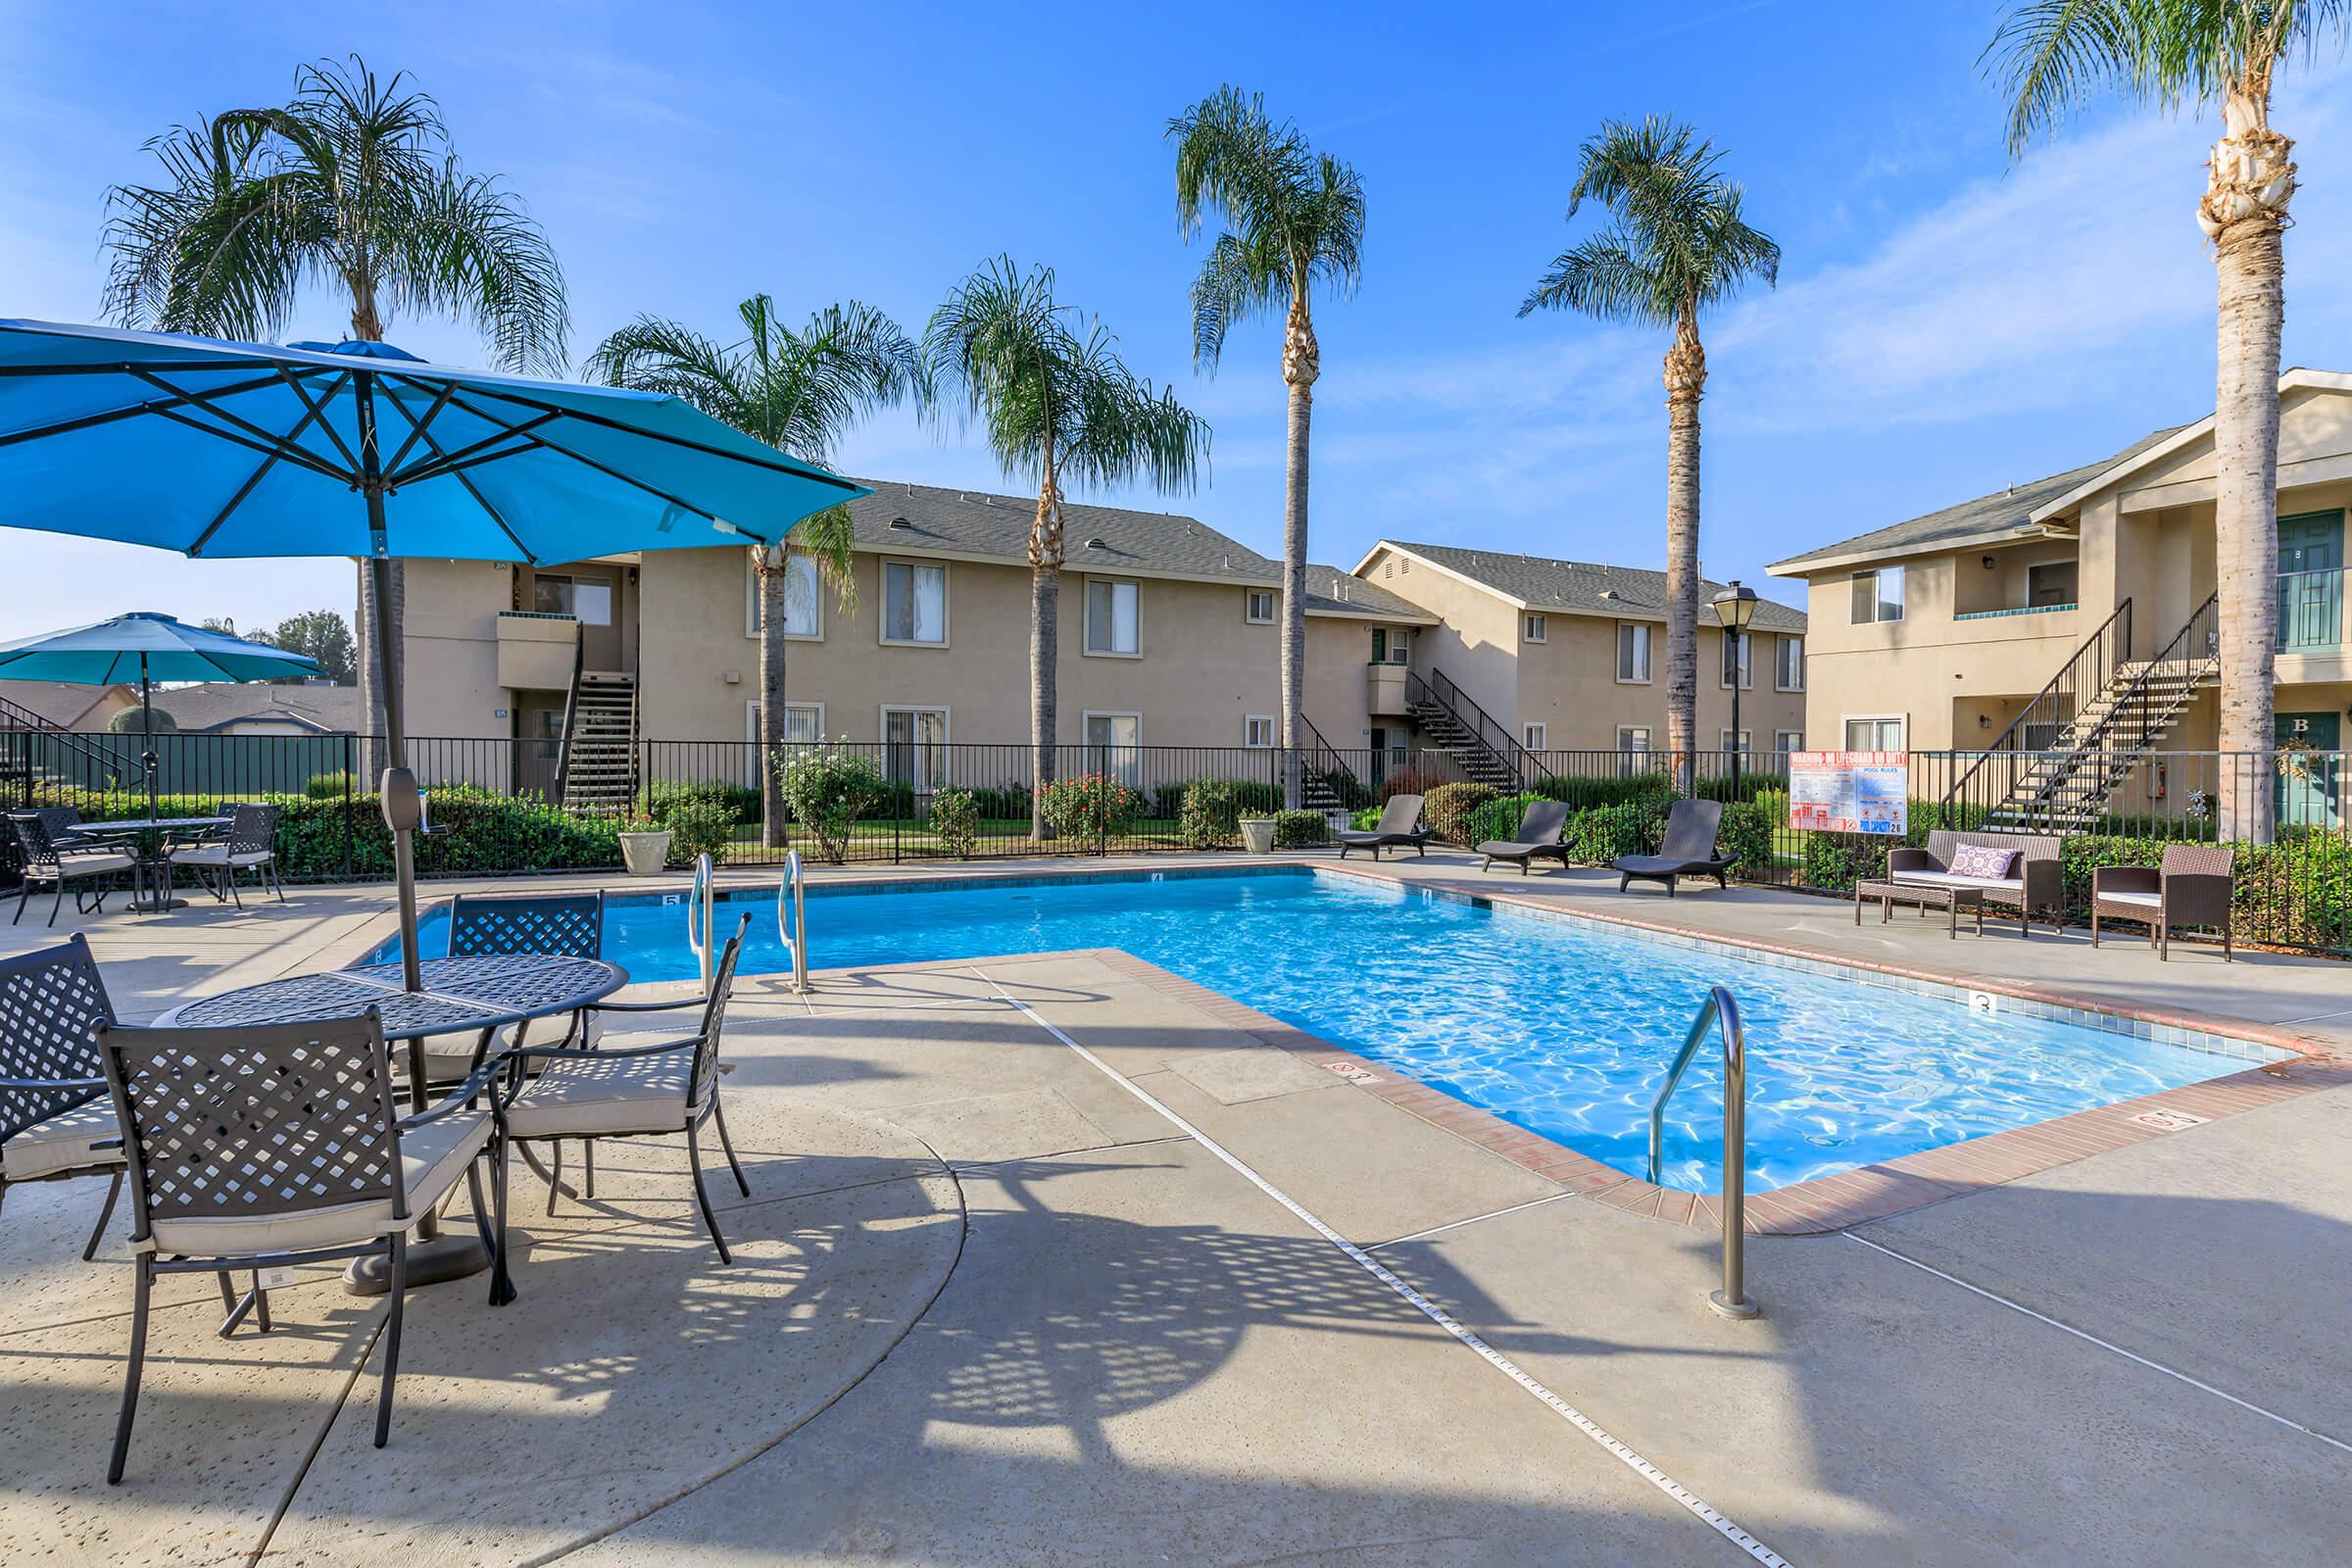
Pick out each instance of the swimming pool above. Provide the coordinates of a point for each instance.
(1563, 1028)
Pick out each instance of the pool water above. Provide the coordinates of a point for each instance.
(1561, 1028)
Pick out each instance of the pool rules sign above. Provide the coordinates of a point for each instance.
(1850, 792)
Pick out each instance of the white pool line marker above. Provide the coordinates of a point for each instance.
(2104, 1345)
(1427, 1308)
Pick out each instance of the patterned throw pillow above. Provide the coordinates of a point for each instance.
(1983, 861)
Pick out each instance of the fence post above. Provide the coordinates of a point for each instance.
(350, 772)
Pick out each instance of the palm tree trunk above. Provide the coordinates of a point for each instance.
(1302, 364)
(378, 667)
(1045, 640)
(769, 562)
(1685, 379)
(2244, 212)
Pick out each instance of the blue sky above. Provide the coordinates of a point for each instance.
(1945, 322)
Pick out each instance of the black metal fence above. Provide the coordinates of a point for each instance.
(929, 801)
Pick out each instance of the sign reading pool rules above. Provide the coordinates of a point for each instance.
(1850, 792)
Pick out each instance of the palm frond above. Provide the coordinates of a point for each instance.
(470, 249)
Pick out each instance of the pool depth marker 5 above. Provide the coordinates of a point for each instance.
(1730, 1532)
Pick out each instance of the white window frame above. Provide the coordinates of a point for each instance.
(1085, 631)
(1877, 596)
(946, 600)
(1784, 740)
(816, 598)
(1780, 659)
(1249, 724)
(1533, 629)
(750, 717)
(1643, 730)
(1530, 735)
(1642, 631)
(1129, 774)
(1745, 644)
(946, 738)
(1847, 721)
(1743, 741)
(1250, 614)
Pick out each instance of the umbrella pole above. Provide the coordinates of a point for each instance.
(147, 756)
(398, 787)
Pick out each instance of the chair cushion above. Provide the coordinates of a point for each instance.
(450, 1057)
(86, 864)
(1982, 861)
(62, 1143)
(581, 1097)
(219, 855)
(432, 1161)
(2147, 901)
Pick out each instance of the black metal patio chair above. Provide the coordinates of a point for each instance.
(56, 1122)
(566, 925)
(250, 844)
(49, 859)
(653, 1091)
(273, 1145)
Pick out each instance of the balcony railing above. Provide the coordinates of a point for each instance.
(2311, 612)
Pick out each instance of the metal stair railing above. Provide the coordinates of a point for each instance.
(572, 715)
(1720, 1014)
(18, 720)
(2086, 673)
(1318, 756)
(1484, 732)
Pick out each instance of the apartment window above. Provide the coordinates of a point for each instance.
(803, 722)
(1110, 619)
(1873, 734)
(1533, 629)
(1736, 661)
(1113, 746)
(804, 608)
(2051, 584)
(1633, 737)
(1531, 736)
(1736, 740)
(1785, 741)
(1788, 664)
(1260, 607)
(1877, 595)
(914, 746)
(1389, 647)
(915, 604)
(586, 600)
(1633, 654)
(1257, 731)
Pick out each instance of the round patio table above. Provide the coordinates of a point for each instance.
(484, 992)
(149, 831)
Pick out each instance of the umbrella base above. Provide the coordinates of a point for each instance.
(437, 1262)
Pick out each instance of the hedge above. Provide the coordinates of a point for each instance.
(1299, 830)
(1447, 808)
(1210, 815)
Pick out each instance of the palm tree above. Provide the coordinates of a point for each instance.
(2050, 57)
(353, 184)
(1292, 219)
(1055, 406)
(799, 392)
(1675, 243)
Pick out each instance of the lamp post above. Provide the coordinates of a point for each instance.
(1735, 608)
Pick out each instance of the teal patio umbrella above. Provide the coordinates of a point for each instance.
(218, 449)
(151, 648)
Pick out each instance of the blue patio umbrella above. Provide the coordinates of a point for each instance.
(219, 449)
(151, 648)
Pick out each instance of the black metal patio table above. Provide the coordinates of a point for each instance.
(149, 831)
(485, 991)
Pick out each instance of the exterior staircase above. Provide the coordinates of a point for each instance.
(1456, 724)
(2055, 766)
(598, 767)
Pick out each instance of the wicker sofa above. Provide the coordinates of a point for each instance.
(2191, 887)
(2034, 884)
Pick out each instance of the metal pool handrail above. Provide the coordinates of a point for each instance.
(702, 918)
(792, 924)
(1720, 1014)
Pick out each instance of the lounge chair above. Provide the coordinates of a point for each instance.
(1539, 835)
(1400, 825)
(2191, 887)
(1689, 849)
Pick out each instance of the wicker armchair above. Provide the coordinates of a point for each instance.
(249, 845)
(56, 1121)
(2193, 886)
(658, 1091)
(279, 1144)
(50, 858)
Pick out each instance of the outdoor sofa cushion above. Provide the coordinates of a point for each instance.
(62, 1143)
(585, 1096)
(432, 1161)
(1953, 879)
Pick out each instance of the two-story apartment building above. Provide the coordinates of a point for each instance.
(2095, 586)
(1569, 656)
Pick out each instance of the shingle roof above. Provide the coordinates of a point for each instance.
(332, 709)
(1576, 587)
(1986, 517)
(65, 703)
(996, 527)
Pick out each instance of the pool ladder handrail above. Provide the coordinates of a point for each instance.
(1720, 1014)
(702, 918)
(792, 929)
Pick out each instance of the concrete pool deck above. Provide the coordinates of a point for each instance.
(999, 1308)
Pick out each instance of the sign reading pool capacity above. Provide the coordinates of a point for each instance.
(1850, 792)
